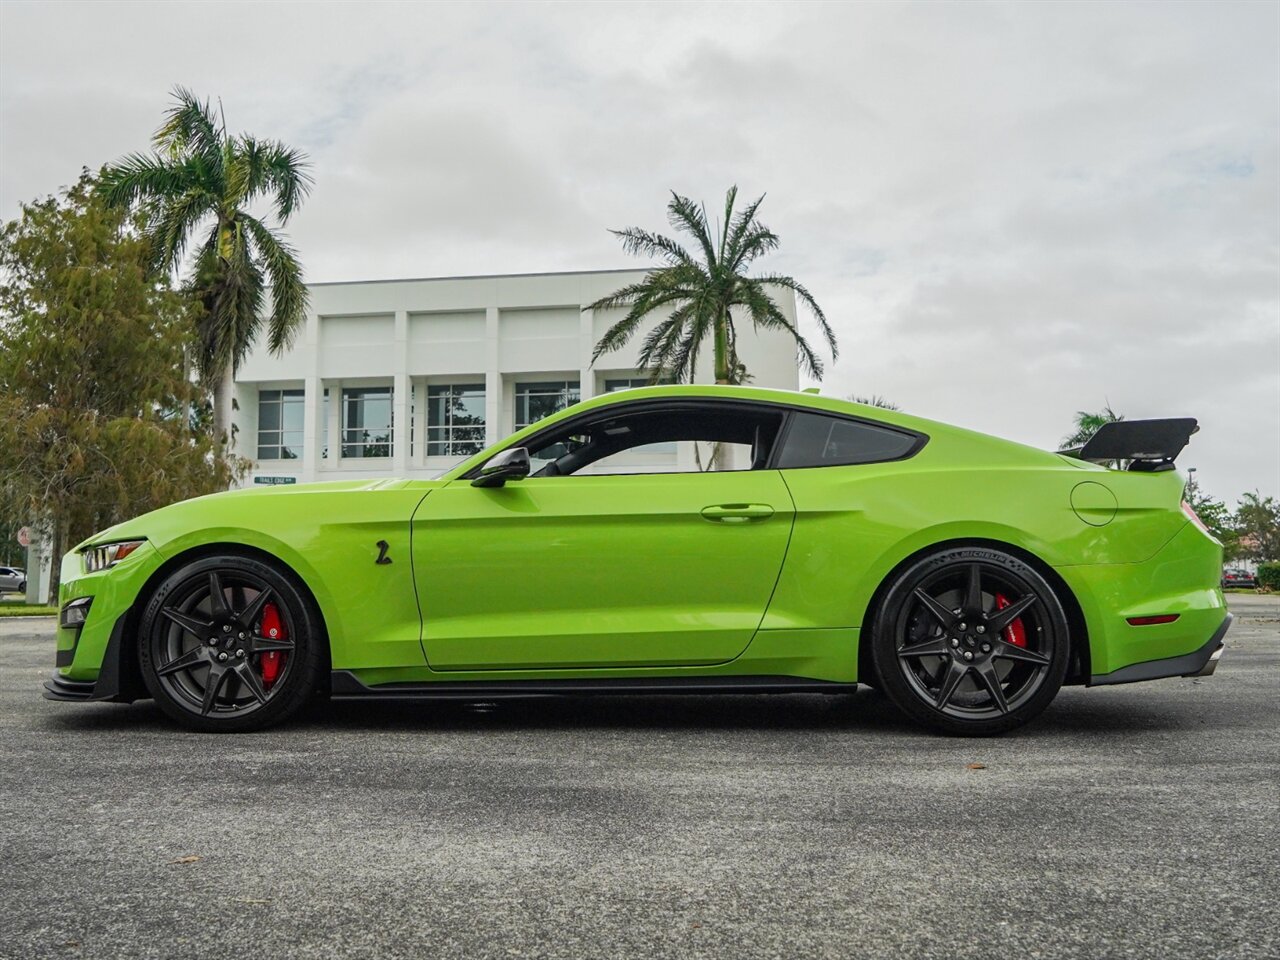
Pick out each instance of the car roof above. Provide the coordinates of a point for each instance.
(789, 398)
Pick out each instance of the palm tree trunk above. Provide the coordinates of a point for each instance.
(222, 403)
(722, 347)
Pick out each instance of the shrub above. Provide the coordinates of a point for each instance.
(1269, 576)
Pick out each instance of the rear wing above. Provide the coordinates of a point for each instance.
(1148, 446)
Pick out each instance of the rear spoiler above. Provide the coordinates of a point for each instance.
(1146, 445)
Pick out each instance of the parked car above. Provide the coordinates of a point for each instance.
(1237, 577)
(12, 581)
(966, 577)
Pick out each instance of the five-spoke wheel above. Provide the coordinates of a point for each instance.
(970, 640)
(229, 643)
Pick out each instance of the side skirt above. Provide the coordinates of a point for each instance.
(346, 686)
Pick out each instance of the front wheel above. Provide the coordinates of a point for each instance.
(230, 644)
(970, 641)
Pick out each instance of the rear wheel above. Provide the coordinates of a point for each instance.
(230, 644)
(971, 641)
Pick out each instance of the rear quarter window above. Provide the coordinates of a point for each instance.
(815, 440)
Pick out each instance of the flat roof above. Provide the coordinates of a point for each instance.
(481, 276)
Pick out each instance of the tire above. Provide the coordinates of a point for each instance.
(970, 641)
(263, 647)
(22, 587)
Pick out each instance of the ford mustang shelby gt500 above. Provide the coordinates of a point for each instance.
(801, 544)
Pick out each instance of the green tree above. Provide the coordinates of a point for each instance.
(1087, 424)
(1257, 524)
(96, 419)
(700, 293)
(200, 183)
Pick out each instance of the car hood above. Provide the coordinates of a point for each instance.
(196, 511)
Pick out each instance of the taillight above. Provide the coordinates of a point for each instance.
(1186, 508)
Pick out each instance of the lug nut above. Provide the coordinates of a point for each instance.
(240, 653)
(982, 629)
(968, 654)
(955, 642)
(964, 626)
(213, 641)
(241, 635)
(226, 628)
(986, 648)
(223, 655)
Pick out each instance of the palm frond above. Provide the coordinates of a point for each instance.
(736, 228)
(288, 291)
(638, 242)
(690, 217)
(658, 344)
(170, 227)
(642, 305)
(765, 313)
(278, 170)
(139, 176)
(757, 241)
(189, 127)
(789, 283)
(730, 198)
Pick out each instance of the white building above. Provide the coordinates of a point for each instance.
(406, 377)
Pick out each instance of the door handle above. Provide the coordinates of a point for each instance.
(738, 512)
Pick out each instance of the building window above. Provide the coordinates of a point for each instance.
(537, 400)
(280, 424)
(630, 383)
(455, 420)
(366, 422)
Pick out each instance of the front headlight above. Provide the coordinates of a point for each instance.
(103, 556)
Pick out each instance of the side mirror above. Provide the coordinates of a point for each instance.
(510, 464)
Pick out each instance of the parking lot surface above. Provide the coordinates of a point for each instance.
(1136, 821)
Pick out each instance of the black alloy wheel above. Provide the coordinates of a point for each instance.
(229, 643)
(971, 641)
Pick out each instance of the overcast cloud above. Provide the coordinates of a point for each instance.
(1009, 212)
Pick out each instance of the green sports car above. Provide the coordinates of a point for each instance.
(680, 539)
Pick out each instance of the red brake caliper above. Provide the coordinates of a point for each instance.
(272, 629)
(1015, 632)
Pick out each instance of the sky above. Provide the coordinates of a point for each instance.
(1009, 212)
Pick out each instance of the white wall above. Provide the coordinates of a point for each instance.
(498, 330)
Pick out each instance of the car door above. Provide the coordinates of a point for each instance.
(592, 571)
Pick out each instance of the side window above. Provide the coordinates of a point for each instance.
(683, 438)
(815, 440)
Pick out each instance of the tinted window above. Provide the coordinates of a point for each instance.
(818, 441)
(715, 437)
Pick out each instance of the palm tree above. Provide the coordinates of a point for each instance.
(875, 400)
(1087, 424)
(201, 181)
(699, 294)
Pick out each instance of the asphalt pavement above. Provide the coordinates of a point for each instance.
(1136, 821)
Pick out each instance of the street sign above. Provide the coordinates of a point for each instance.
(275, 481)
(24, 537)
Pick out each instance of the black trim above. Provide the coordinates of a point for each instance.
(64, 658)
(787, 410)
(344, 685)
(78, 602)
(118, 680)
(59, 687)
(1187, 665)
